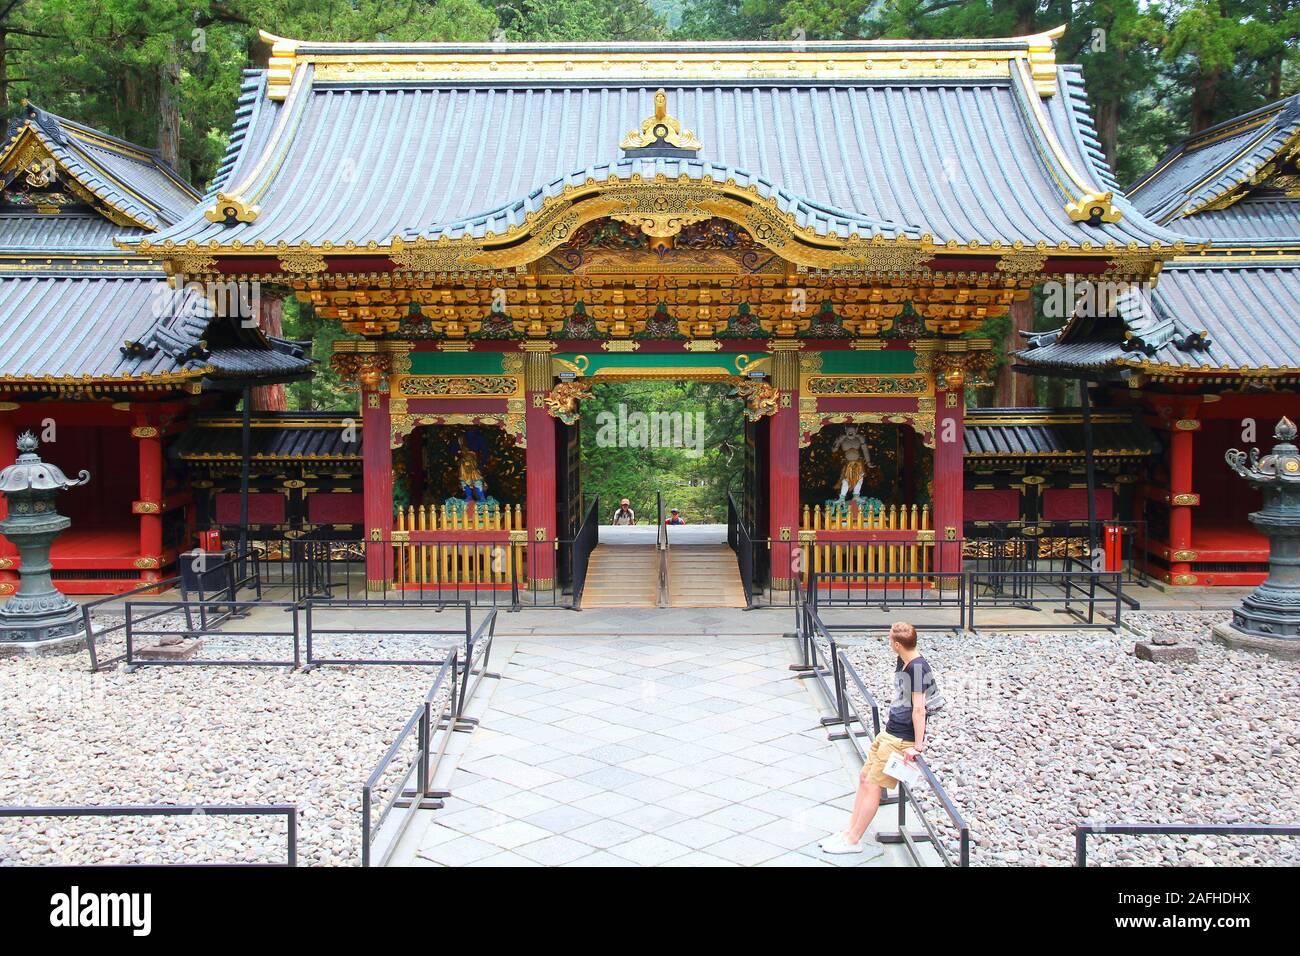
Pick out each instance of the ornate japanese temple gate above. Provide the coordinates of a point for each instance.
(496, 243)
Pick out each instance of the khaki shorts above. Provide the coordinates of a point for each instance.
(884, 745)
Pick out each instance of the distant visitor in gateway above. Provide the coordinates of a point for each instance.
(916, 697)
(674, 517)
(856, 459)
(624, 514)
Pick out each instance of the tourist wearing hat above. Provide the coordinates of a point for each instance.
(624, 515)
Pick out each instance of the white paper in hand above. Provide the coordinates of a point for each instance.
(900, 769)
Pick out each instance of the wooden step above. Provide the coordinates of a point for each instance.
(702, 575)
(622, 576)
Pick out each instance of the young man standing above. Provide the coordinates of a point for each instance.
(624, 515)
(904, 734)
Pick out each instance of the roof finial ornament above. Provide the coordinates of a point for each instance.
(661, 135)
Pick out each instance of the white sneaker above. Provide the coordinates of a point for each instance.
(838, 845)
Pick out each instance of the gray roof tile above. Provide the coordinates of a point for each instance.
(367, 161)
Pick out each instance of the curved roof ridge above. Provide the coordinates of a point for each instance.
(135, 183)
(498, 220)
(1212, 166)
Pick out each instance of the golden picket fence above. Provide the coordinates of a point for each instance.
(463, 562)
(907, 549)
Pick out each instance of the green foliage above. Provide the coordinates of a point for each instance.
(697, 484)
(324, 391)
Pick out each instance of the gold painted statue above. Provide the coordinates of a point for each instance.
(471, 478)
(852, 445)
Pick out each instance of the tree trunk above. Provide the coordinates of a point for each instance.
(1015, 390)
(1205, 100)
(169, 106)
(270, 398)
(4, 69)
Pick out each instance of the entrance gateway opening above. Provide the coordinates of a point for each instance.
(666, 429)
(674, 448)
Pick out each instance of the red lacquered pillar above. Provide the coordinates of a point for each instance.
(377, 487)
(1182, 499)
(949, 426)
(783, 464)
(539, 460)
(150, 502)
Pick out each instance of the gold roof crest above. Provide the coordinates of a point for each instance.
(660, 131)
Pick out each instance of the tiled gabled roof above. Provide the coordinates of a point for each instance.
(281, 436)
(1203, 319)
(125, 328)
(1212, 166)
(1016, 433)
(132, 181)
(350, 146)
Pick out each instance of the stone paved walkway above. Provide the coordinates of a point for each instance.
(618, 751)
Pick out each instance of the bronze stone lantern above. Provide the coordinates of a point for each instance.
(1269, 617)
(38, 612)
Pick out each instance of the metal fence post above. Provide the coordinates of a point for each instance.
(1080, 846)
(293, 837)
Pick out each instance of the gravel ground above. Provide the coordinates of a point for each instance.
(206, 734)
(1043, 731)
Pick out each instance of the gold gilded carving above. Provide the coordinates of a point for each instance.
(1092, 206)
(228, 208)
(879, 255)
(663, 210)
(760, 398)
(403, 425)
(562, 402)
(867, 385)
(366, 370)
(418, 385)
(1022, 262)
(660, 129)
(144, 431)
(921, 422)
(302, 263)
(190, 263)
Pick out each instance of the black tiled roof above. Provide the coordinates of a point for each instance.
(1052, 432)
(273, 435)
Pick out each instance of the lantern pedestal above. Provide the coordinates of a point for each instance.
(1269, 617)
(39, 618)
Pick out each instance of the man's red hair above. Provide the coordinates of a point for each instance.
(904, 633)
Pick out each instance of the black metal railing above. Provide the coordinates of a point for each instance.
(1025, 545)
(904, 836)
(95, 630)
(317, 615)
(584, 542)
(825, 655)
(191, 620)
(1085, 830)
(290, 813)
(739, 540)
(496, 572)
(942, 595)
(1090, 599)
(413, 789)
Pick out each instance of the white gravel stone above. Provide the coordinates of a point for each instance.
(200, 734)
(1046, 730)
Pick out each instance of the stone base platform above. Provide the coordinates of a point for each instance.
(1225, 633)
(67, 644)
(181, 651)
(1165, 653)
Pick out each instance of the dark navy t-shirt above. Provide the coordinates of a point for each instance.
(914, 678)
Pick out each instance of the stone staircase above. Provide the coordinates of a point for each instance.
(699, 575)
(703, 575)
(622, 576)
